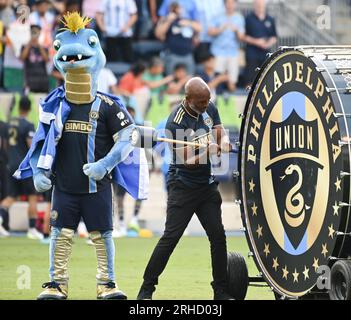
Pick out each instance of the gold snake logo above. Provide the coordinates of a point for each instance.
(295, 213)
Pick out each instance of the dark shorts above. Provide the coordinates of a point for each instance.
(3, 181)
(18, 188)
(95, 209)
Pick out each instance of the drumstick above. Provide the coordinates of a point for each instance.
(184, 143)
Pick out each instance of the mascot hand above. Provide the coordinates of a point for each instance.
(96, 171)
(41, 182)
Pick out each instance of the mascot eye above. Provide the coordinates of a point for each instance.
(57, 44)
(93, 41)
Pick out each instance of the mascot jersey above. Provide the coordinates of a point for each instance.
(87, 137)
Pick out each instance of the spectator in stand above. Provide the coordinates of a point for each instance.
(116, 19)
(108, 83)
(35, 57)
(3, 175)
(227, 31)
(90, 8)
(17, 35)
(189, 9)
(154, 7)
(154, 79)
(261, 36)
(181, 77)
(43, 17)
(132, 81)
(216, 81)
(178, 34)
(208, 10)
(7, 16)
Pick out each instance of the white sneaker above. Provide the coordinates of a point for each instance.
(3, 232)
(82, 230)
(120, 232)
(116, 234)
(34, 234)
(134, 224)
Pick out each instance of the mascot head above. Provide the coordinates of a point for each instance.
(79, 58)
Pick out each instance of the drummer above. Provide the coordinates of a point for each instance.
(192, 188)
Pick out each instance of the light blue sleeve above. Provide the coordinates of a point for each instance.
(120, 151)
(241, 24)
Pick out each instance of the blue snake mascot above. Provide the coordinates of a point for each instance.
(82, 144)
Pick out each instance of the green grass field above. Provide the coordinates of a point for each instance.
(186, 277)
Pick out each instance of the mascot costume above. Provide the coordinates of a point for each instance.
(81, 145)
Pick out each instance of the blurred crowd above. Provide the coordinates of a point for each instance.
(153, 45)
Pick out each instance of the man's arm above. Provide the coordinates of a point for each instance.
(164, 25)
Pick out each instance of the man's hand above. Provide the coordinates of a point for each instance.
(214, 149)
(226, 147)
(41, 182)
(95, 170)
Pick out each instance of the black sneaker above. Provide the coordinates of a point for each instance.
(145, 293)
(222, 295)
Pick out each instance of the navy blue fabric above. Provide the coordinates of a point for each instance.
(180, 121)
(95, 209)
(257, 28)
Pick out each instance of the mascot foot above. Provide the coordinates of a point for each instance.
(54, 291)
(109, 291)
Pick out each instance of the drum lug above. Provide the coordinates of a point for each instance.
(237, 144)
(242, 229)
(321, 69)
(329, 90)
(343, 204)
(248, 88)
(343, 143)
(258, 69)
(344, 174)
(342, 234)
(236, 174)
(250, 254)
(340, 115)
(237, 202)
(241, 116)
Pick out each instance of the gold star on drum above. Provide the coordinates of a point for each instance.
(294, 170)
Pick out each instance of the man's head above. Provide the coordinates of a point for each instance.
(25, 105)
(35, 31)
(72, 5)
(209, 62)
(197, 95)
(175, 8)
(180, 71)
(230, 6)
(156, 66)
(3, 4)
(138, 69)
(42, 6)
(260, 6)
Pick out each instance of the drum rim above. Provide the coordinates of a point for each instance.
(271, 60)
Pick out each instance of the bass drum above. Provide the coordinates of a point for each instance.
(294, 166)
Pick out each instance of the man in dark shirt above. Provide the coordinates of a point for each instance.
(20, 134)
(261, 36)
(191, 186)
(3, 158)
(35, 58)
(178, 34)
(3, 176)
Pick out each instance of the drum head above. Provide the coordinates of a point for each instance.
(290, 165)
